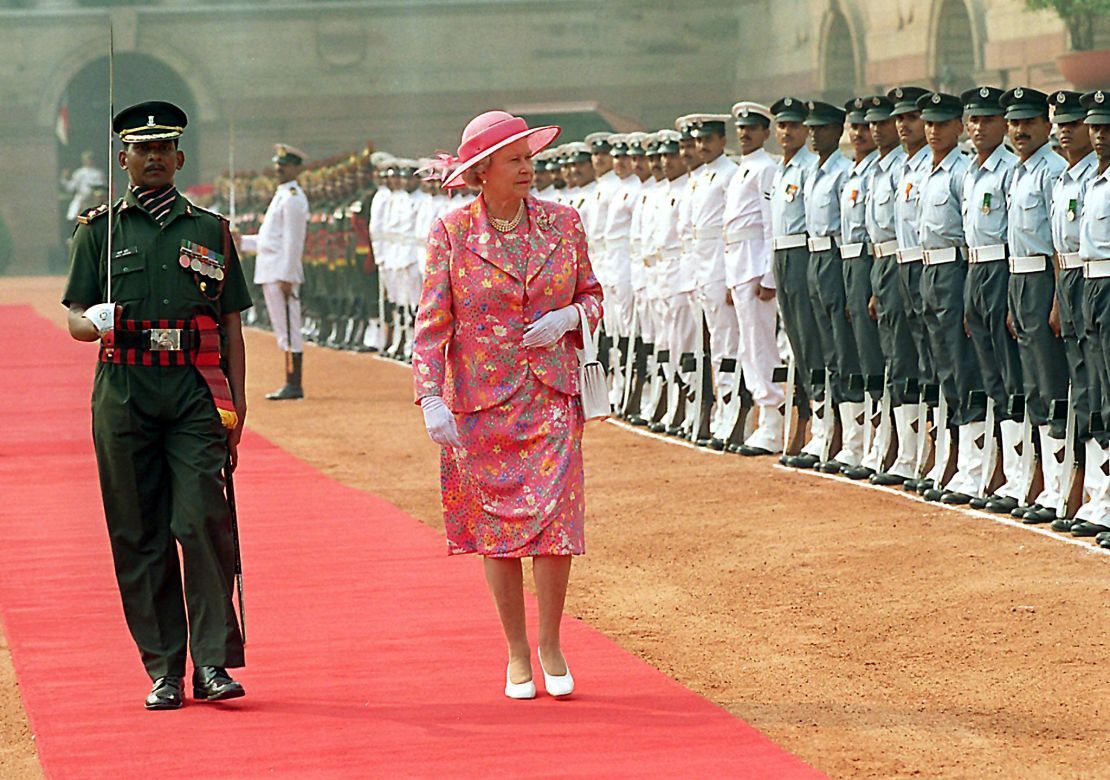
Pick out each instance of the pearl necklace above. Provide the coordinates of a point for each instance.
(505, 225)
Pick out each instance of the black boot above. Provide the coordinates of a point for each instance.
(292, 389)
(212, 683)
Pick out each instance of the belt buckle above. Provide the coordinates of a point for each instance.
(165, 339)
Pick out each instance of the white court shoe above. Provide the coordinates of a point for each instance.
(525, 690)
(561, 685)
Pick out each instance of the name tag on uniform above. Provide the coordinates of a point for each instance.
(126, 252)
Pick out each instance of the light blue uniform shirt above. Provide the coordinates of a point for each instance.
(1094, 220)
(940, 221)
(853, 201)
(822, 196)
(906, 200)
(1067, 203)
(788, 211)
(986, 197)
(1030, 195)
(881, 193)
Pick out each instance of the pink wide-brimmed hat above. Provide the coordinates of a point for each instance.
(493, 130)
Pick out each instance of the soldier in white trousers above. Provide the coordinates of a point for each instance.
(279, 267)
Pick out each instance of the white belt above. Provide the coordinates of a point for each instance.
(1070, 260)
(1028, 265)
(986, 254)
(820, 243)
(886, 248)
(1096, 269)
(911, 255)
(743, 234)
(670, 254)
(788, 242)
(851, 251)
(940, 256)
(706, 234)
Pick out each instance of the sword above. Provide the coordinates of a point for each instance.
(230, 482)
(111, 148)
(231, 171)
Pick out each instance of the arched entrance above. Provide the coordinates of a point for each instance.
(955, 50)
(839, 61)
(138, 77)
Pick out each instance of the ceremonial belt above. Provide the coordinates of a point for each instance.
(669, 254)
(164, 343)
(851, 251)
(788, 242)
(986, 254)
(1070, 260)
(949, 254)
(1028, 265)
(912, 255)
(1096, 269)
(739, 235)
(820, 243)
(886, 248)
(706, 234)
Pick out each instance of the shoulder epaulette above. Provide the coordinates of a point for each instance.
(88, 216)
(211, 213)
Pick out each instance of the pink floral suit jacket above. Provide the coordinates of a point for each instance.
(480, 291)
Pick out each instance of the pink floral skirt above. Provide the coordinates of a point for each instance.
(515, 487)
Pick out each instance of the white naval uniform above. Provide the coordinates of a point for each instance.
(747, 234)
(686, 334)
(617, 281)
(279, 245)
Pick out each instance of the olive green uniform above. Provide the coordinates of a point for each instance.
(160, 446)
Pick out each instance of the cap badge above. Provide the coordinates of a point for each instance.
(150, 120)
(810, 105)
(876, 102)
(898, 92)
(1061, 97)
(788, 102)
(1099, 97)
(1019, 93)
(859, 103)
(985, 92)
(743, 112)
(936, 98)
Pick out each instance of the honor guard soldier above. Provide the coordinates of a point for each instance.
(167, 405)
(750, 278)
(855, 255)
(791, 265)
(1093, 518)
(619, 303)
(941, 232)
(641, 333)
(899, 351)
(279, 267)
(1067, 115)
(839, 357)
(911, 132)
(602, 195)
(649, 301)
(1033, 284)
(707, 208)
(986, 196)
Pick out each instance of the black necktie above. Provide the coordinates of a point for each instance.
(158, 201)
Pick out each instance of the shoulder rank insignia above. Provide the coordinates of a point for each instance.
(88, 216)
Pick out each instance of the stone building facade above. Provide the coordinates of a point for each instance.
(329, 76)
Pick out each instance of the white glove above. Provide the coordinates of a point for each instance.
(103, 316)
(550, 327)
(439, 422)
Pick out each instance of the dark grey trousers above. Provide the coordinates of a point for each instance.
(942, 291)
(1043, 368)
(791, 267)
(909, 278)
(1096, 316)
(895, 339)
(985, 307)
(838, 343)
(865, 331)
(1077, 346)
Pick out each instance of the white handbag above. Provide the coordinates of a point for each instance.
(591, 374)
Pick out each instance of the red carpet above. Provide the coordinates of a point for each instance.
(353, 614)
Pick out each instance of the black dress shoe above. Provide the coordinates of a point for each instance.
(1104, 543)
(165, 694)
(637, 420)
(212, 683)
(924, 485)
(657, 427)
(717, 444)
(1087, 529)
(910, 485)
(749, 451)
(802, 460)
(1039, 515)
(980, 502)
(933, 494)
(887, 479)
(857, 472)
(1002, 505)
(955, 498)
(831, 467)
(1019, 511)
(1102, 537)
(1063, 524)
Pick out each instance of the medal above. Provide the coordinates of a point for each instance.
(183, 261)
(854, 196)
(987, 203)
(790, 190)
(909, 188)
(196, 265)
(1073, 206)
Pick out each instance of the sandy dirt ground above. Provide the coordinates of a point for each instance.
(872, 635)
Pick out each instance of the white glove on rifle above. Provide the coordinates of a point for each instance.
(550, 327)
(439, 422)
